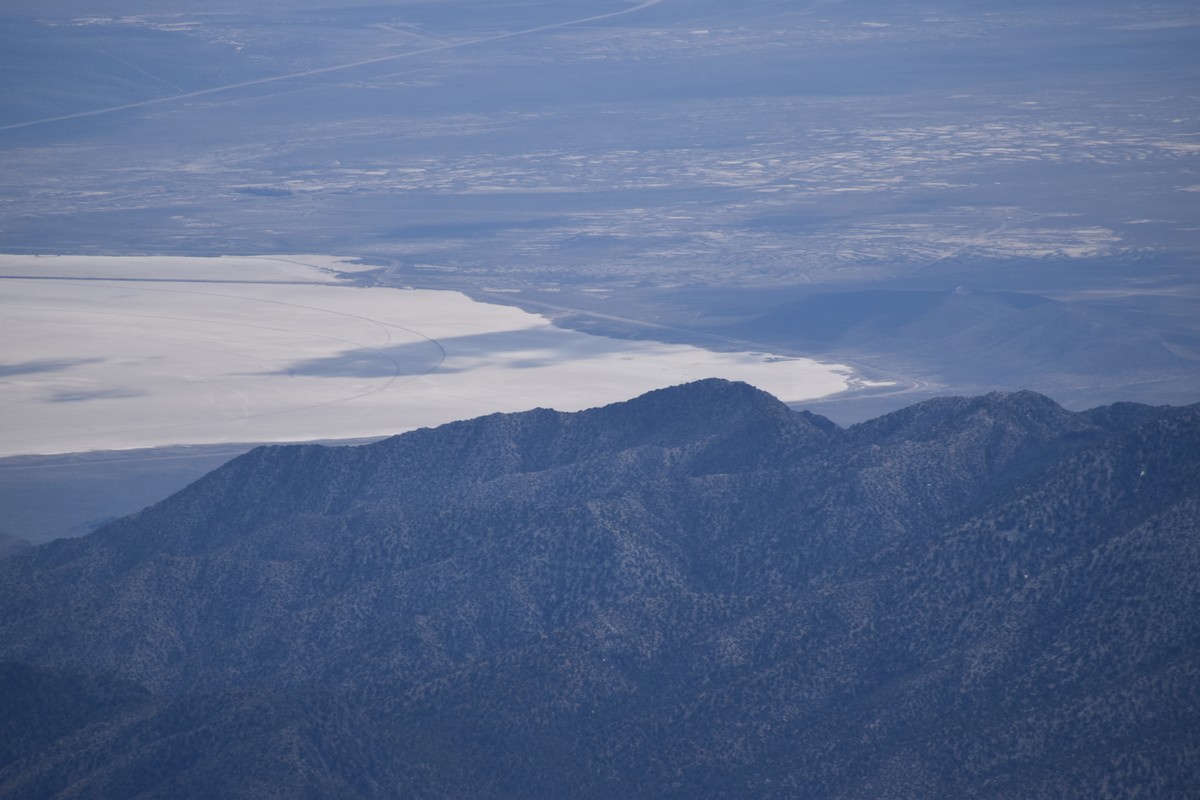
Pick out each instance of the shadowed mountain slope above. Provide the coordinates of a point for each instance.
(696, 593)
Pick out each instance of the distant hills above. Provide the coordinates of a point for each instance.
(699, 593)
(993, 338)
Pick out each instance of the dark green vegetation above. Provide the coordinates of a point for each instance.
(698, 593)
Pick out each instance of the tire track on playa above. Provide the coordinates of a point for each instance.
(136, 68)
(331, 69)
(386, 328)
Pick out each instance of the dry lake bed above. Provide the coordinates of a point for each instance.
(110, 353)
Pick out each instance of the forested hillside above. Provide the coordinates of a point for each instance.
(699, 593)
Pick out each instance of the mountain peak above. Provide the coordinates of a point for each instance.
(598, 602)
(739, 420)
(709, 398)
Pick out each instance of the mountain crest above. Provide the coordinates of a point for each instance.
(698, 589)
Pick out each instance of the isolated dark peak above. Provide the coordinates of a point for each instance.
(708, 411)
(706, 390)
(1023, 401)
(681, 416)
(711, 397)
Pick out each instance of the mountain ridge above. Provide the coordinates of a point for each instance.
(699, 592)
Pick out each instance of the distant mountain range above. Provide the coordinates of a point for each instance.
(699, 593)
(996, 338)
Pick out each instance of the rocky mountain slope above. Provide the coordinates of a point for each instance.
(697, 593)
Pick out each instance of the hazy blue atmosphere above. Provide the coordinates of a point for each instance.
(954, 197)
(762, 399)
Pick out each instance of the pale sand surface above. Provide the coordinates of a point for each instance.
(88, 362)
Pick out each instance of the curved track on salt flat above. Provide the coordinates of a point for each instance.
(92, 363)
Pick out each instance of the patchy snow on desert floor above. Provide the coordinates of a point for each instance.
(117, 353)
